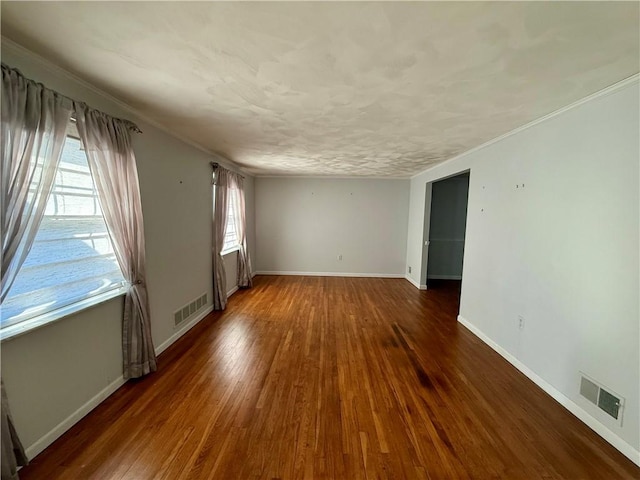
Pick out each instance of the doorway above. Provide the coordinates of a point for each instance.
(445, 230)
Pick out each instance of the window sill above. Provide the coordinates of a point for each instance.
(26, 326)
(230, 250)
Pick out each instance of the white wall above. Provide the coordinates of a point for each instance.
(448, 218)
(55, 374)
(303, 224)
(562, 251)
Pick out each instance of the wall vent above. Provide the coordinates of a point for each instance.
(601, 396)
(189, 310)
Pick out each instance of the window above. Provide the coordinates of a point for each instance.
(231, 241)
(72, 259)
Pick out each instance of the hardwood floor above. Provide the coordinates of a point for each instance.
(331, 378)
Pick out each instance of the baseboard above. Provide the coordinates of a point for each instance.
(81, 412)
(445, 277)
(189, 325)
(72, 419)
(414, 283)
(617, 442)
(92, 403)
(331, 274)
(183, 329)
(232, 291)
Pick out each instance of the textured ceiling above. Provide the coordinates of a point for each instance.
(376, 89)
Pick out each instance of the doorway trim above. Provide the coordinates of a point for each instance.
(424, 260)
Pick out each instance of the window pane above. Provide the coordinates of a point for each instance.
(72, 256)
(231, 236)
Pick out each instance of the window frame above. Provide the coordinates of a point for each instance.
(229, 250)
(51, 316)
(37, 321)
(230, 204)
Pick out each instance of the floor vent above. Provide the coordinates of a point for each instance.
(602, 397)
(189, 310)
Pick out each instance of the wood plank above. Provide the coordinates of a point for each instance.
(331, 378)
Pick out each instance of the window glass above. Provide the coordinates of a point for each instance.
(231, 235)
(72, 256)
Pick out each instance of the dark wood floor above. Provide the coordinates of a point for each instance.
(331, 378)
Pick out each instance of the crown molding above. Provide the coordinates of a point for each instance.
(600, 93)
(47, 64)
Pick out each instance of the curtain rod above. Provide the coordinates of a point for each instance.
(132, 126)
(215, 165)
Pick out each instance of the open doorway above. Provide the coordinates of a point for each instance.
(445, 229)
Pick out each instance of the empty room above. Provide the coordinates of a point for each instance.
(320, 240)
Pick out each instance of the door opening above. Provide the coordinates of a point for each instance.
(445, 229)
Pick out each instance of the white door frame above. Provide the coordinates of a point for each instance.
(425, 235)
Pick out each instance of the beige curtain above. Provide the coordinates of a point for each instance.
(236, 190)
(107, 143)
(220, 203)
(12, 451)
(34, 126)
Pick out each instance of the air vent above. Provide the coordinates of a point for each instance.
(589, 390)
(602, 397)
(609, 403)
(189, 310)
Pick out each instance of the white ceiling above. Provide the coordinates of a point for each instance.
(375, 89)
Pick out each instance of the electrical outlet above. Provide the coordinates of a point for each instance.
(520, 322)
(340, 257)
(409, 269)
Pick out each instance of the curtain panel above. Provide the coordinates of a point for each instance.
(12, 450)
(236, 183)
(220, 205)
(34, 126)
(107, 144)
